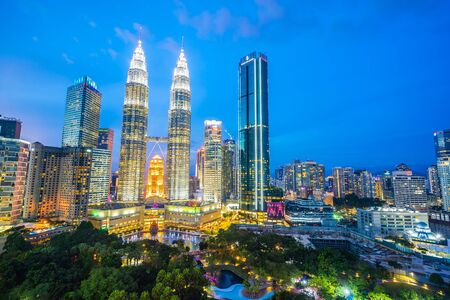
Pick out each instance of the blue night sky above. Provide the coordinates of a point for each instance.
(351, 83)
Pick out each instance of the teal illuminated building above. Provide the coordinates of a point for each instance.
(253, 135)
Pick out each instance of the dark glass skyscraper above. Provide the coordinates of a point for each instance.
(442, 143)
(133, 145)
(228, 170)
(82, 114)
(253, 135)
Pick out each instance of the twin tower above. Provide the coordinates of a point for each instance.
(134, 131)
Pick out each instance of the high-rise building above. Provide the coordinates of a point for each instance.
(229, 180)
(289, 179)
(442, 143)
(113, 185)
(253, 132)
(82, 114)
(443, 166)
(363, 184)
(442, 146)
(133, 144)
(155, 178)
(200, 167)
(213, 161)
(378, 187)
(83, 179)
(388, 187)
(13, 165)
(105, 139)
(409, 191)
(178, 146)
(10, 127)
(41, 193)
(343, 181)
(434, 185)
(402, 169)
(105, 142)
(309, 178)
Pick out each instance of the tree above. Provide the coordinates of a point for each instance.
(378, 296)
(16, 243)
(118, 295)
(103, 281)
(184, 284)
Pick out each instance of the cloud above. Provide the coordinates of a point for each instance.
(170, 45)
(67, 59)
(217, 23)
(92, 24)
(35, 39)
(112, 52)
(132, 37)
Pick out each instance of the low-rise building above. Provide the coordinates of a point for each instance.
(124, 220)
(385, 221)
(309, 212)
(192, 215)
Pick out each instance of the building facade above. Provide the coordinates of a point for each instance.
(253, 132)
(434, 186)
(41, 193)
(343, 181)
(363, 184)
(133, 144)
(179, 129)
(10, 127)
(82, 114)
(155, 178)
(212, 191)
(442, 146)
(13, 171)
(229, 180)
(309, 178)
(386, 221)
(409, 191)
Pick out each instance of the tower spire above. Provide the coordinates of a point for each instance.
(182, 43)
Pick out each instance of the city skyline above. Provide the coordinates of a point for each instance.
(320, 137)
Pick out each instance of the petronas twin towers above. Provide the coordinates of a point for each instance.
(134, 131)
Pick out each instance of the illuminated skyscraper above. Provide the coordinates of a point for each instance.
(213, 161)
(433, 181)
(134, 131)
(105, 142)
(200, 167)
(82, 114)
(309, 178)
(442, 145)
(343, 181)
(155, 178)
(363, 184)
(253, 132)
(178, 147)
(229, 180)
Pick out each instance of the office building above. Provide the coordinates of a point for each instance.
(309, 178)
(200, 167)
(133, 144)
(253, 132)
(388, 221)
(434, 186)
(409, 191)
(113, 185)
(155, 178)
(289, 179)
(343, 181)
(178, 146)
(229, 180)
(105, 139)
(442, 143)
(443, 166)
(388, 187)
(378, 187)
(100, 176)
(41, 193)
(13, 171)
(213, 161)
(10, 127)
(82, 114)
(363, 184)
(309, 212)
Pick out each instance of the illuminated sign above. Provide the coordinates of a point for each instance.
(275, 210)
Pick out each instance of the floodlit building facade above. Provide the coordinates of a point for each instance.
(133, 144)
(82, 114)
(253, 132)
(179, 139)
(213, 161)
(155, 178)
(200, 167)
(363, 184)
(41, 193)
(343, 181)
(13, 171)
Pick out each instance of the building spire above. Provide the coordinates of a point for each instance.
(140, 31)
(182, 43)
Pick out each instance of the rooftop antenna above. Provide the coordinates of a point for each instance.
(182, 42)
(140, 29)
